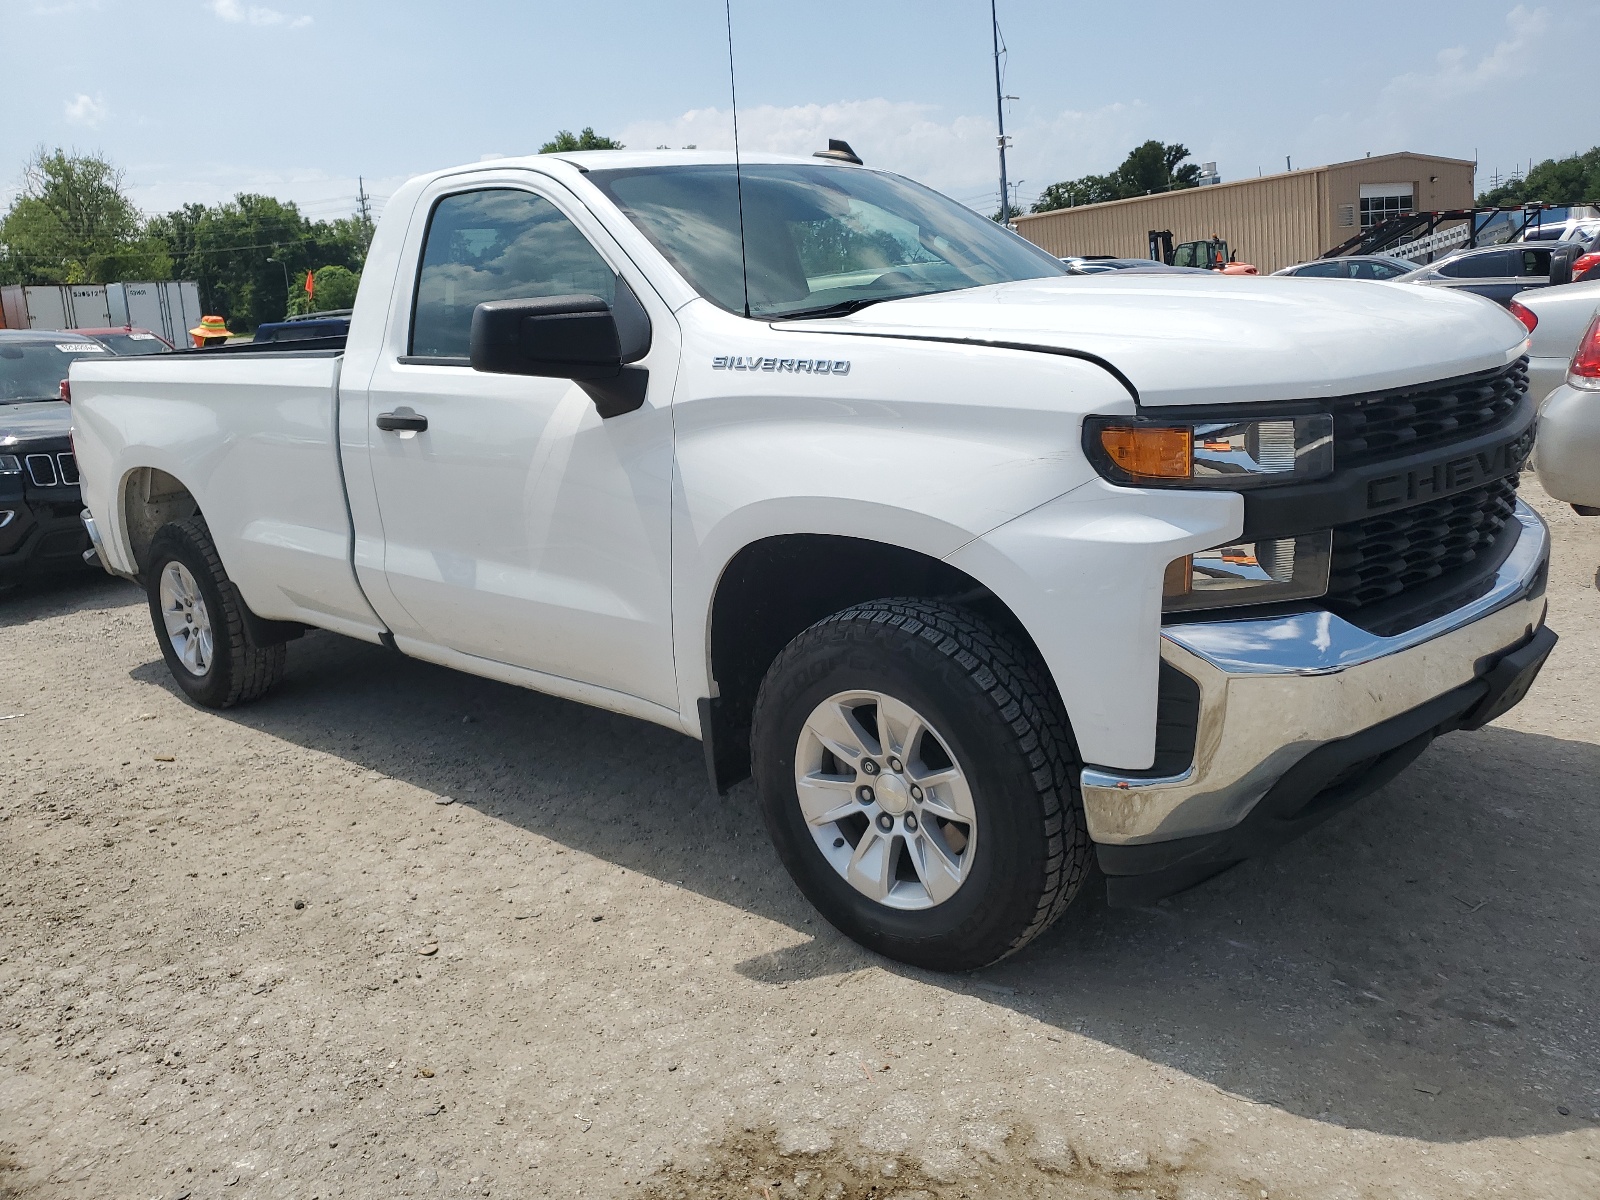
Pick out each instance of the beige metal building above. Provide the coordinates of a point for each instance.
(1274, 221)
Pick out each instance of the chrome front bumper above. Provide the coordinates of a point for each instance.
(1272, 689)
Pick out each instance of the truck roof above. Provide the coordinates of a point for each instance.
(591, 160)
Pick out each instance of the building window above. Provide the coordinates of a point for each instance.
(1385, 201)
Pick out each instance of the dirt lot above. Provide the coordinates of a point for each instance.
(257, 954)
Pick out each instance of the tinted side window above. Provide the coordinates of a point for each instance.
(1479, 266)
(498, 244)
(1384, 270)
(1323, 270)
(1534, 263)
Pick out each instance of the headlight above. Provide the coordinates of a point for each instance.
(1213, 454)
(10, 464)
(1262, 572)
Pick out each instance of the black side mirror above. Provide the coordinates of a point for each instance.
(1561, 265)
(580, 338)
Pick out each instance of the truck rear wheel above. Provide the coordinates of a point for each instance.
(198, 620)
(916, 775)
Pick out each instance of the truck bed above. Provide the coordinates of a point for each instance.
(253, 438)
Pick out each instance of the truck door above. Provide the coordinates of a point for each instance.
(518, 526)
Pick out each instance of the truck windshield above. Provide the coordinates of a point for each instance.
(818, 240)
(33, 369)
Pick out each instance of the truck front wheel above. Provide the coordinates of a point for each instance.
(198, 620)
(916, 775)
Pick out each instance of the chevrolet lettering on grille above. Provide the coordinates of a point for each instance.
(1452, 475)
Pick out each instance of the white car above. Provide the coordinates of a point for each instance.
(1561, 316)
(983, 571)
(1568, 461)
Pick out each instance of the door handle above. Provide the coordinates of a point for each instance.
(402, 422)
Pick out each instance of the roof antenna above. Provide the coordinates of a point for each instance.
(738, 172)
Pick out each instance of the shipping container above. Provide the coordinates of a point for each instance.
(168, 307)
(55, 306)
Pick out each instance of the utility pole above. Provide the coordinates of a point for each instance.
(1000, 116)
(363, 203)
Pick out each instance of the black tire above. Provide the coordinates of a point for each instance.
(238, 671)
(993, 704)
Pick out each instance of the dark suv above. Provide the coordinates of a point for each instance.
(1500, 272)
(40, 508)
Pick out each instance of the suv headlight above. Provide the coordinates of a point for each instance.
(1210, 453)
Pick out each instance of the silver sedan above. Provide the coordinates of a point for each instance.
(1564, 357)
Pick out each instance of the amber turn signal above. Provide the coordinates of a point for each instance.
(1149, 452)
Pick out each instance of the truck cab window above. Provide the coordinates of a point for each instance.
(497, 244)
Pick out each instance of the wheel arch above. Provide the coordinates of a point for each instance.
(776, 587)
(149, 498)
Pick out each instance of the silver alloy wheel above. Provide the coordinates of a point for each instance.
(885, 800)
(183, 609)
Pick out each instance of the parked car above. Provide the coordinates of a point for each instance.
(982, 571)
(1569, 430)
(1501, 272)
(127, 339)
(1559, 315)
(1094, 265)
(40, 506)
(1580, 222)
(1352, 266)
(311, 326)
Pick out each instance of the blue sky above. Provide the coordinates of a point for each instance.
(198, 99)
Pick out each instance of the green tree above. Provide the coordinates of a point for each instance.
(1572, 180)
(332, 287)
(1069, 193)
(1149, 168)
(250, 255)
(565, 141)
(73, 223)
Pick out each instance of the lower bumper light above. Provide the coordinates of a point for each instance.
(1267, 571)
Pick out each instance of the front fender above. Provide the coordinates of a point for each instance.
(1083, 574)
(922, 446)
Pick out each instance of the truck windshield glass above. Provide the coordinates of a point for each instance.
(817, 239)
(33, 370)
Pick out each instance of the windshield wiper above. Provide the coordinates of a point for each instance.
(842, 309)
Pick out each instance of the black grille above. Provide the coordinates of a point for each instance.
(52, 470)
(1389, 424)
(1383, 556)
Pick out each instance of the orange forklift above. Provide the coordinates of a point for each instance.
(1209, 255)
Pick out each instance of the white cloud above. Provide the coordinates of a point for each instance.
(1458, 104)
(86, 110)
(236, 13)
(1457, 74)
(954, 153)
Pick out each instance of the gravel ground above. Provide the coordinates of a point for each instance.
(396, 931)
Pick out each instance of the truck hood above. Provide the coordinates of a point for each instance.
(1184, 339)
(31, 419)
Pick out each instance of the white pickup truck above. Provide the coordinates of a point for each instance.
(984, 572)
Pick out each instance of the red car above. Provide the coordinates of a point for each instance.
(128, 339)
